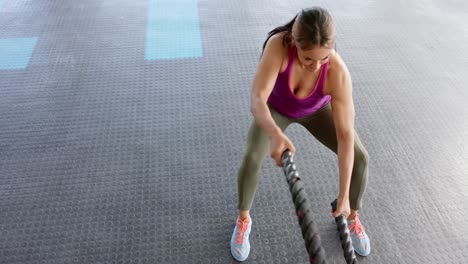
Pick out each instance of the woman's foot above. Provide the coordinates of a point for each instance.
(361, 242)
(240, 246)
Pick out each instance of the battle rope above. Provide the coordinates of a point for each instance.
(345, 237)
(309, 229)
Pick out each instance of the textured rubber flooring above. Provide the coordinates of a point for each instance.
(106, 157)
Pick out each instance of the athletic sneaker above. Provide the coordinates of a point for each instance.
(240, 246)
(361, 242)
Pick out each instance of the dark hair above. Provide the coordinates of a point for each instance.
(316, 28)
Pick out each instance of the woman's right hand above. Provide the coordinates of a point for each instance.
(279, 143)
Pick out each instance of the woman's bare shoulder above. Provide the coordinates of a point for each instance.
(337, 73)
(277, 48)
(337, 65)
(277, 42)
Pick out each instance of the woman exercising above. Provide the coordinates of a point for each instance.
(302, 79)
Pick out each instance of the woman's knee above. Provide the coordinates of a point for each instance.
(361, 156)
(253, 159)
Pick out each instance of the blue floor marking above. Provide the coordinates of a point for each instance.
(15, 53)
(173, 30)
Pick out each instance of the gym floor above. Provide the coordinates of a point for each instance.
(123, 124)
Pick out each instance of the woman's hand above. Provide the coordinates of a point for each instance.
(342, 208)
(279, 143)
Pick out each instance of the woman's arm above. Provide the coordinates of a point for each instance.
(343, 116)
(263, 83)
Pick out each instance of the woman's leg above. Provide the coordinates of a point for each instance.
(258, 145)
(322, 127)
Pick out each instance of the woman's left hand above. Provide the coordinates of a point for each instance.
(342, 208)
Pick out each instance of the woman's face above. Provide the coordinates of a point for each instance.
(311, 59)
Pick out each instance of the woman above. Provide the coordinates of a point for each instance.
(301, 79)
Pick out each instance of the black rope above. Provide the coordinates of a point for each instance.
(309, 229)
(345, 237)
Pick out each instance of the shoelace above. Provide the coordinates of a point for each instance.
(356, 227)
(242, 225)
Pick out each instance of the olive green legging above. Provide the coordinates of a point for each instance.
(320, 125)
